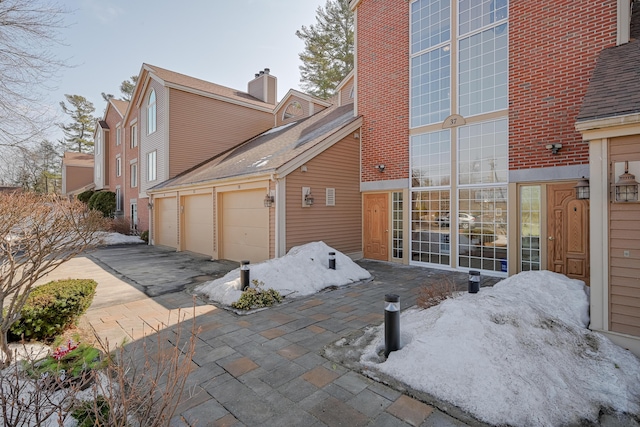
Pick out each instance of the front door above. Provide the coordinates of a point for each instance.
(568, 232)
(376, 226)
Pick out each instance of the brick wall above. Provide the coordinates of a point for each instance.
(383, 87)
(553, 46)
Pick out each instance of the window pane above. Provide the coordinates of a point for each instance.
(431, 159)
(429, 228)
(430, 87)
(482, 228)
(430, 24)
(397, 240)
(483, 72)
(530, 215)
(475, 14)
(483, 153)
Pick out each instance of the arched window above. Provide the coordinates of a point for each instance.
(151, 113)
(294, 109)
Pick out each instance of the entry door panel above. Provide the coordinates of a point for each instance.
(376, 226)
(568, 229)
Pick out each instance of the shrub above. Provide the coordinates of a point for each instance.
(103, 201)
(120, 225)
(85, 196)
(434, 294)
(91, 413)
(257, 297)
(53, 307)
(145, 236)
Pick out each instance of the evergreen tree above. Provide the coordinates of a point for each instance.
(127, 87)
(328, 53)
(79, 133)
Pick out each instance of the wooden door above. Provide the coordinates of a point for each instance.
(568, 232)
(376, 226)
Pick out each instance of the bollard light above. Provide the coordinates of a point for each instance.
(244, 274)
(391, 323)
(474, 281)
(332, 260)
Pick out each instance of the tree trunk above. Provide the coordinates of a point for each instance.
(7, 357)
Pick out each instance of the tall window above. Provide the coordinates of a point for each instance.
(530, 215)
(98, 144)
(152, 166)
(118, 166)
(397, 210)
(134, 174)
(118, 199)
(459, 176)
(134, 136)
(118, 135)
(151, 113)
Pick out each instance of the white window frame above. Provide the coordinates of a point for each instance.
(118, 135)
(118, 199)
(134, 136)
(152, 113)
(152, 166)
(134, 174)
(118, 166)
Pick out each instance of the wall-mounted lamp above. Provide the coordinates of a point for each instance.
(582, 189)
(626, 189)
(307, 198)
(554, 148)
(150, 205)
(380, 167)
(268, 200)
(356, 135)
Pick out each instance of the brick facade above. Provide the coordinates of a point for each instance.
(383, 88)
(553, 46)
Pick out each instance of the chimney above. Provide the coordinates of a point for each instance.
(264, 86)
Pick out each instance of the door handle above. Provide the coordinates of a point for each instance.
(550, 237)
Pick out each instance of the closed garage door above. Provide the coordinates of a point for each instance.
(245, 226)
(166, 222)
(198, 223)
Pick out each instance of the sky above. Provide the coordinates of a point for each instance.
(225, 42)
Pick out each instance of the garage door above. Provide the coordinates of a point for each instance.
(245, 226)
(166, 222)
(198, 223)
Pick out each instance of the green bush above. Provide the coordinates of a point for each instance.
(257, 297)
(91, 413)
(103, 201)
(145, 236)
(52, 308)
(85, 196)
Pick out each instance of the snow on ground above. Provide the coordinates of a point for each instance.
(519, 353)
(120, 239)
(303, 271)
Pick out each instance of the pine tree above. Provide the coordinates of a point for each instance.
(79, 133)
(127, 87)
(328, 53)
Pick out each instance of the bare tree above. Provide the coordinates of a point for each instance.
(28, 30)
(37, 234)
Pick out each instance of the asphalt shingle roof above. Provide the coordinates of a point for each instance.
(269, 150)
(614, 89)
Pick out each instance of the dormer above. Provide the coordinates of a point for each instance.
(296, 105)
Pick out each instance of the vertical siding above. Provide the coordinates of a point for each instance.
(202, 127)
(156, 140)
(624, 235)
(338, 226)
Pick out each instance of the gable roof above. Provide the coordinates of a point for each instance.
(72, 158)
(272, 151)
(614, 89)
(119, 105)
(309, 98)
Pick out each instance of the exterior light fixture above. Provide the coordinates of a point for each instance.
(308, 199)
(582, 189)
(474, 281)
(268, 200)
(380, 167)
(244, 275)
(150, 205)
(332, 260)
(391, 323)
(626, 189)
(554, 148)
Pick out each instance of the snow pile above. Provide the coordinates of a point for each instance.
(119, 239)
(519, 353)
(303, 271)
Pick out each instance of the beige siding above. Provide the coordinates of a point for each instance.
(202, 127)
(77, 177)
(345, 93)
(624, 235)
(338, 226)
